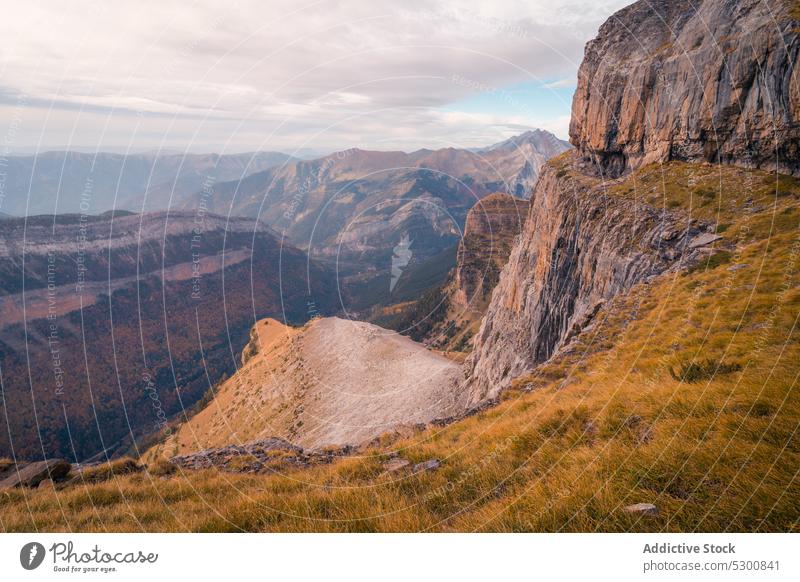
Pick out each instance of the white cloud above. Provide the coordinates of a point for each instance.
(277, 75)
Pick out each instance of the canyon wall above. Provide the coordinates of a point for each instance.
(581, 247)
(491, 227)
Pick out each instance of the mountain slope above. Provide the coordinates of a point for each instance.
(601, 425)
(333, 382)
(354, 205)
(656, 320)
(125, 322)
(520, 159)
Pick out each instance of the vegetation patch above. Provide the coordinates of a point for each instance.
(708, 369)
(105, 471)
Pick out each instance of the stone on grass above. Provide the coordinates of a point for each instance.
(429, 465)
(642, 509)
(32, 474)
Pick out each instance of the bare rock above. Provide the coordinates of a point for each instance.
(714, 80)
(397, 464)
(32, 474)
(489, 233)
(580, 248)
(642, 509)
(429, 465)
(703, 239)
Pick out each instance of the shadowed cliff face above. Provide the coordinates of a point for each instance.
(580, 248)
(714, 80)
(489, 233)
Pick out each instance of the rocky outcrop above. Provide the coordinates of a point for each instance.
(580, 248)
(446, 317)
(699, 81)
(261, 456)
(491, 227)
(714, 80)
(32, 474)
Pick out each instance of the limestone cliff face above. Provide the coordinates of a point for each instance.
(665, 79)
(714, 80)
(580, 248)
(491, 227)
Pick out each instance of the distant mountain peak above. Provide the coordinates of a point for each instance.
(538, 138)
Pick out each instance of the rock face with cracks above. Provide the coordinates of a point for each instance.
(580, 248)
(715, 80)
(707, 81)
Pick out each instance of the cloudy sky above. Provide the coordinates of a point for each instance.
(293, 76)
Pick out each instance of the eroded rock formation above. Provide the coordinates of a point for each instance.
(491, 227)
(581, 247)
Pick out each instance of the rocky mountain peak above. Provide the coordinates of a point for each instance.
(707, 81)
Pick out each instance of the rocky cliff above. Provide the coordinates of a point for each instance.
(581, 246)
(695, 81)
(491, 227)
(447, 315)
(698, 81)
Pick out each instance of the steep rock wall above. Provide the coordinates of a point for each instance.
(489, 233)
(580, 248)
(715, 80)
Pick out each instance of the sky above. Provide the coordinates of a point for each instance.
(298, 77)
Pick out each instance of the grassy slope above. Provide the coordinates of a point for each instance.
(606, 426)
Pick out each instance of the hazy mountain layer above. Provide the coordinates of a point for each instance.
(61, 182)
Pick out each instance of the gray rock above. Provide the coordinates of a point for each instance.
(429, 465)
(704, 239)
(708, 80)
(32, 474)
(642, 508)
(580, 248)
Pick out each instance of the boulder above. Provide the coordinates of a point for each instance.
(32, 474)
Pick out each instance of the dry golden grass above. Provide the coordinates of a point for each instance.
(607, 425)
